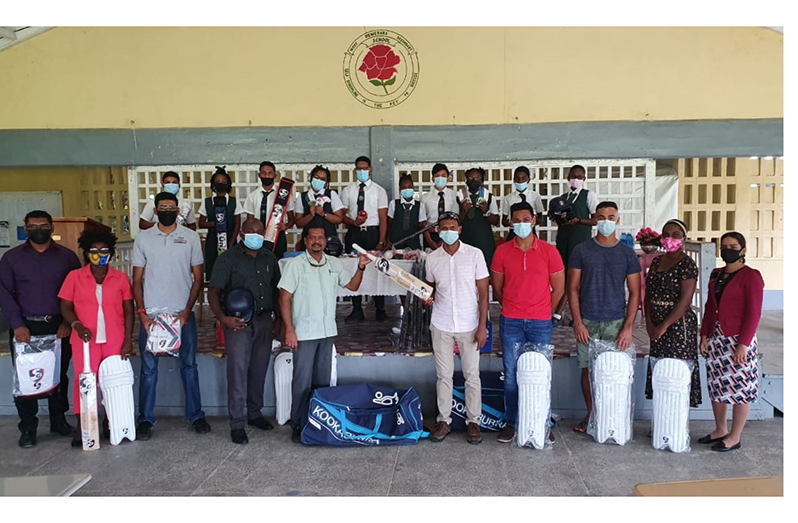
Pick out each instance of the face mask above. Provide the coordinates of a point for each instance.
(606, 227)
(522, 230)
(317, 185)
(253, 241)
(219, 187)
(267, 182)
(473, 184)
(40, 237)
(521, 187)
(730, 255)
(576, 184)
(171, 188)
(671, 244)
(100, 260)
(167, 219)
(362, 176)
(407, 194)
(440, 182)
(450, 237)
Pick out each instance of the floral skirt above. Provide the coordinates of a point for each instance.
(729, 382)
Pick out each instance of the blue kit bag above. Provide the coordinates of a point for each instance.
(492, 416)
(363, 415)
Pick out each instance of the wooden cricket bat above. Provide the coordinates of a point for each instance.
(89, 424)
(398, 275)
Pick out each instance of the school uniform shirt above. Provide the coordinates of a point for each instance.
(376, 199)
(429, 201)
(592, 199)
(239, 208)
(255, 198)
(532, 198)
(493, 207)
(185, 213)
(320, 199)
(422, 215)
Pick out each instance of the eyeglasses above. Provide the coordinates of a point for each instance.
(104, 250)
(167, 209)
(38, 227)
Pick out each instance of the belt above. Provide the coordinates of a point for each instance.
(47, 318)
(368, 227)
(663, 303)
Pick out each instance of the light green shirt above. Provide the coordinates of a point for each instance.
(314, 291)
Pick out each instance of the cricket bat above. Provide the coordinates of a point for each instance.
(398, 275)
(279, 210)
(89, 424)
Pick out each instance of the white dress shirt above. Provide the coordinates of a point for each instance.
(456, 305)
(185, 213)
(430, 202)
(376, 199)
(493, 207)
(422, 215)
(239, 207)
(320, 199)
(255, 198)
(532, 198)
(592, 199)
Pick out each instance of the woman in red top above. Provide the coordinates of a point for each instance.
(728, 341)
(98, 302)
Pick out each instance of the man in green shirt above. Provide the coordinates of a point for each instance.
(308, 292)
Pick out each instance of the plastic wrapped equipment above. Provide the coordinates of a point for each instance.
(611, 380)
(37, 366)
(534, 395)
(670, 424)
(164, 334)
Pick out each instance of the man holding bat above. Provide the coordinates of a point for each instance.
(459, 314)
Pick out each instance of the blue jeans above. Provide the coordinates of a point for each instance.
(148, 379)
(514, 333)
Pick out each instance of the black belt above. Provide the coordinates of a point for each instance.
(47, 318)
(368, 227)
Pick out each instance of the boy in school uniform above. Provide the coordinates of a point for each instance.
(406, 215)
(521, 193)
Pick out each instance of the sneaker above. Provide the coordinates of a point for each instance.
(440, 432)
(296, 435)
(262, 423)
(474, 437)
(381, 315)
(556, 320)
(201, 426)
(63, 428)
(239, 436)
(27, 439)
(144, 431)
(506, 435)
(355, 316)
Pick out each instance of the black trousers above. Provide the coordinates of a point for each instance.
(58, 400)
(367, 239)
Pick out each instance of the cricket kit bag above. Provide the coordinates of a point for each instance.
(612, 377)
(534, 396)
(37, 366)
(492, 416)
(165, 332)
(116, 383)
(670, 425)
(363, 415)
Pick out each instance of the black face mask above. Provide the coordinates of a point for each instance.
(473, 185)
(267, 182)
(220, 187)
(730, 255)
(167, 219)
(40, 237)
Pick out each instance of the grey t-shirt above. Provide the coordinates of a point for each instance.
(167, 262)
(602, 287)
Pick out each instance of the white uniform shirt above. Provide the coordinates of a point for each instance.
(493, 207)
(320, 199)
(592, 199)
(185, 214)
(430, 202)
(422, 215)
(239, 207)
(255, 198)
(376, 199)
(456, 305)
(532, 198)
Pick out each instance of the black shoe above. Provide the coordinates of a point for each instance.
(201, 426)
(721, 447)
(262, 423)
(144, 431)
(296, 435)
(106, 429)
(355, 316)
(63, 428)
(708, 439)
(381, 315)
(27, 439)
(239, 436)
(555, 322)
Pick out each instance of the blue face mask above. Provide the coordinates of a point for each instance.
(171, 188)
(407, 194)
(362, 176)
(317, 185)
(606, 227)
(521, 187)
(450, 237)
(522, 230)
(440, 182)
(253, 241)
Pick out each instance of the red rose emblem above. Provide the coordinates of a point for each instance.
(379, 64)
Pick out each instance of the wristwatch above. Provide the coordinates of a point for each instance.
(74, 323)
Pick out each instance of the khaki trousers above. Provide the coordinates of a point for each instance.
(443, 348)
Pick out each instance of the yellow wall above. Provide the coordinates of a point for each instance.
(63, 179)
(75, 78)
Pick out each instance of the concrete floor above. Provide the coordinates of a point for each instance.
(179, 462)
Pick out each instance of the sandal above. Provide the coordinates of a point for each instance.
(581, 427)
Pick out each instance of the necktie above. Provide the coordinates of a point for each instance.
(571, 197)
(523, 197)
(361, 197)
(264, 203)
(441, 204)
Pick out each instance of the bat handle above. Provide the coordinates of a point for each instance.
(86, 357)
(361, 250)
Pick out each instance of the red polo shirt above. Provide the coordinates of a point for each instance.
(527, 293)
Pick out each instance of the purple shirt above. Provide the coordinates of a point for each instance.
(30, 281)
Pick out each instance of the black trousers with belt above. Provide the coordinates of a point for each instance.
(368, 239)
(58, 400)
